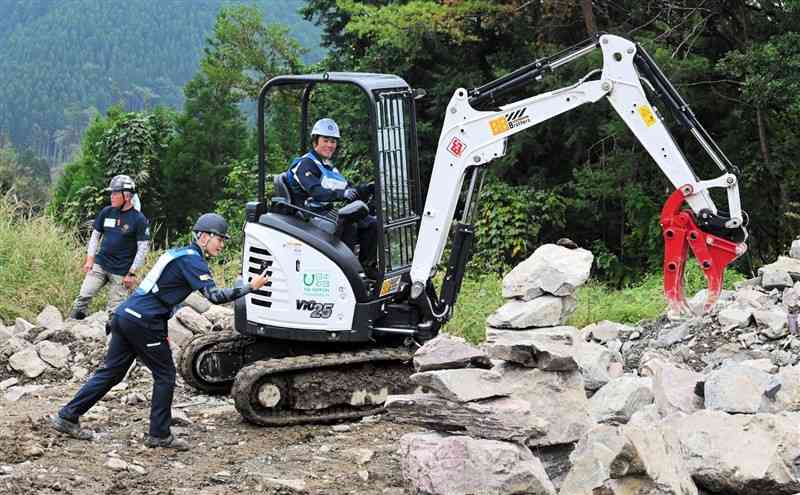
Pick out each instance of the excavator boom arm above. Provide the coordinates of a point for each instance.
(472, 138)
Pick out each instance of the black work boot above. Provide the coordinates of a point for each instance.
(71, 428)
(77, 315)
(169, 442)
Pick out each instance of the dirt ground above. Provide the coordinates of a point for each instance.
(227, 455)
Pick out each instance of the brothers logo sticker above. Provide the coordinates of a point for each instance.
(456, 147)
(509, 121)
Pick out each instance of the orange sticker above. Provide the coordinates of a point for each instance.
(499, 125)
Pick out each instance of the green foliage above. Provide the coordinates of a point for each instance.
(510, 224)
(480, 295)
(23, 177)
(39, 263)
(642, 300)
(131, 143)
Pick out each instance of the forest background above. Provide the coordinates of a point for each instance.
(109, 92)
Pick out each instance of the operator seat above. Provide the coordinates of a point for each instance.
(281, 188)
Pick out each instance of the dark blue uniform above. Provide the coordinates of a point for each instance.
(121, 231)
(312, 179)
(139, 329)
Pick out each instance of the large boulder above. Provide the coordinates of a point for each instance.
(445, 352)
(462, 385)
(551, 269)
(618, 400)
(544, 311)
(494, 419)
(558, 397)
(741, 454)
(437, 464)
(738, 388)
(628, 460)
(548, 349)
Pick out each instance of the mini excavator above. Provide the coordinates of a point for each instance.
(321, 342)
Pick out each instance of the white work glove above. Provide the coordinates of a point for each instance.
(350, 194)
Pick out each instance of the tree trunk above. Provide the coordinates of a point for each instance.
(588, 17)
(762, 135)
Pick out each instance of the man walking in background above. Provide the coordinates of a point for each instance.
(125, 241)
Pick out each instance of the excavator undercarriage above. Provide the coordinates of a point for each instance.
(276, 383)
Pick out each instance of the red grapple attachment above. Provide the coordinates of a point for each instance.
(713, 253)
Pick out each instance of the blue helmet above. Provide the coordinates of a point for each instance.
(326, 127)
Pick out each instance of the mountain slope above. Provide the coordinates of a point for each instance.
(60, 59)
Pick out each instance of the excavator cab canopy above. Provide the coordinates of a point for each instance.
(377, 118)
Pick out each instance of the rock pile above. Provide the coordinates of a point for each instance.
(54, 350)
(698, 406)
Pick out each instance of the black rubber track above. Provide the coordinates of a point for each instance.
(249, 379)
(193, 349)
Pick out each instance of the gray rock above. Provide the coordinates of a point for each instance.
(194, 321)
(91, 331)
(748, 296)
(197, 302)
(551, 269)
(669, 336)
(618, 400)
(788, 397)
(548, 349)
(772, 323)
(5, 334)
(595, 363)
(735, 317)
(178, 334)
(775, 279)
(220, 316)
(736, 388)
(496, 419)
(6, 384)
(606, 331)
(54, 354)
(22, 327)
(786, 264)
(628, 460)
(673, 390)
(438, 464)
(794, 251)
(544, 311)
(28, 362)
(741, 454)
(462, 385)
(444, 352)
(14, 394)
(13, 346)
(558, 397)
(50, 318)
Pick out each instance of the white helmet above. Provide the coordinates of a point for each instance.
(326, 127)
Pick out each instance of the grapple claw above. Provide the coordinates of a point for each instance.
(712, 252)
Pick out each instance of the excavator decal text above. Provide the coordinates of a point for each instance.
(318, 310)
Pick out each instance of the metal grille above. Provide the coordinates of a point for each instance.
(256, 258)
(396, 162)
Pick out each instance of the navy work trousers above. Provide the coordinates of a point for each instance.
(129, 341)
(365, 232)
